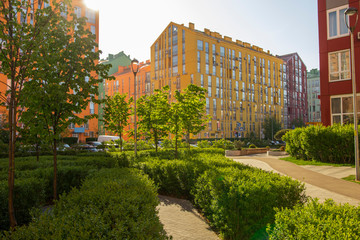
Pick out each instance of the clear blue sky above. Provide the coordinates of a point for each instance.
(281, 26)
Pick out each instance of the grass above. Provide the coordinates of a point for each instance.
(315, 163)
(351, 178)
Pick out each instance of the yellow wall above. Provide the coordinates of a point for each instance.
(227, 116)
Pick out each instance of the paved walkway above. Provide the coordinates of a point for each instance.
(322, 182)
(182, 221)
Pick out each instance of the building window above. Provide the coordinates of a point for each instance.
(339, 65)
(342, 109)
(336, 22)
(77, 11)
(200, 45)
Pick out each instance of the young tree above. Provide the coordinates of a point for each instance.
(153, 111)
(298, 122)
(175, 123)
(20, 37)
(193, 112)
(64, 77)
(116, 114)
(271, 126)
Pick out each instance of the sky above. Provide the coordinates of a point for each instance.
(281, 26)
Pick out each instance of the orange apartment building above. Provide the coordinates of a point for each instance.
(124, 83)
(91, 128)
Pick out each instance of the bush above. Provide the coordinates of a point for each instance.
(28, 193)
(240, 202)
(238, 144)
(111, 204)
(278, 136)
(91, 139)
(334, 144)
(204, 144)
(70, 140)
(252, 146)
(222, 143)
(317, 221)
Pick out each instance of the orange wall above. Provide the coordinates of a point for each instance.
(124, 83)
(93, 124)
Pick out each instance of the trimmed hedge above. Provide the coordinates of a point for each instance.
(239, 203)
(334, 144)
(317, 221)
(34, 182)
(111, 204)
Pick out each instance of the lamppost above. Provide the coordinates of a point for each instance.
(135, 70)
(350, 12)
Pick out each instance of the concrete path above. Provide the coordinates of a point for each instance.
(321, 182)
(182, 221)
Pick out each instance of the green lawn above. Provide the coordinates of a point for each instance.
(351, 178)
(316, 163)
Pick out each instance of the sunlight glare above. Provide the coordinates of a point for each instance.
(93, 4)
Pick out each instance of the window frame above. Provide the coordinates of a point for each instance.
(339, 64)
(337, 10)
(341, 114)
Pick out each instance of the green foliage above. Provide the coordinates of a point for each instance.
(279, 134)
(34, 181)
(153, 112)
(193, 117)
(238, 144)
(111, 204)
(271, 126)
(252, 146)
(204, 144)
(240, 202)
(117, 113)
(333, 144)
(70, 140)
(317, 221)
(90, 139)
(28, 192)
(222, 143)
(298, 122)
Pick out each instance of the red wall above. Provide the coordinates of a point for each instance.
(327, 88)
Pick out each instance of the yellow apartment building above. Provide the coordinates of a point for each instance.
(244, 83)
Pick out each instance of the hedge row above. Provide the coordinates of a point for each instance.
(237, 199)
(111, 204)
(317, 221)
(334, 144)
(34, 181)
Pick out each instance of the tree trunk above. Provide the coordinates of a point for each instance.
(55, 170)
(37, 152)
(188, 139)
(156, 142)
(176, 145)
(11, 178)
(121, 142)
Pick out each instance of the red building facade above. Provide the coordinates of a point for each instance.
(295, 90)
(335, 61)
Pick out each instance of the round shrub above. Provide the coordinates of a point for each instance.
(252, 146)
(317, 221)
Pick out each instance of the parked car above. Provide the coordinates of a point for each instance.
(63, 147)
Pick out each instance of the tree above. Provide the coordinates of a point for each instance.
(20, 34)
(175, 123)
(116, 114)
(271, 126)
(193, 112)
(297, 122)
(153, 112)
(64, 77)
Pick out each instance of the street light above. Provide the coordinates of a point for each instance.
(135, 70)
(350, 12)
